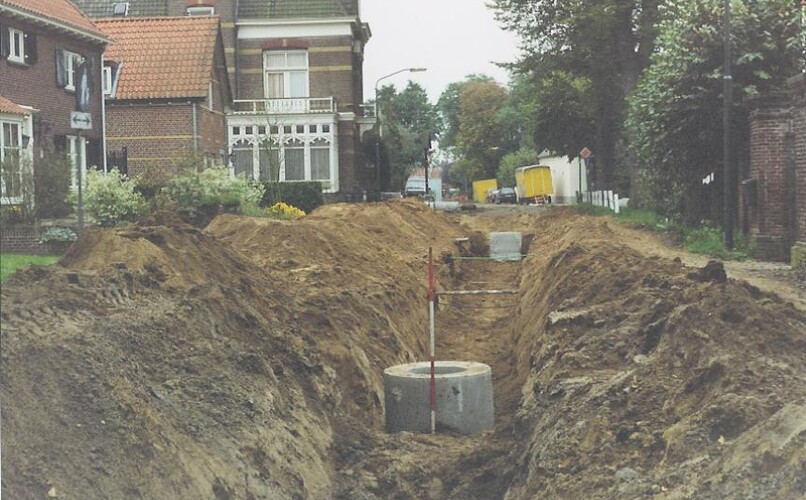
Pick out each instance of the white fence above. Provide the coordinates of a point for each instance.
(606, 199)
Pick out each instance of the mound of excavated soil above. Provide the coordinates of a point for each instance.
(245, 361)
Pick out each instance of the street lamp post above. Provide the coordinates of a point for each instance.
(727, 169)
(378, 117)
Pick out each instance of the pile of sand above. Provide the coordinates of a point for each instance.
(245, 361)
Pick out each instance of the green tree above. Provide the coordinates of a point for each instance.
(674, 123)
(408, 120)
(481, 137)
(448, 107)
(583, 58)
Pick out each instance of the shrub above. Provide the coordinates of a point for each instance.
(59, 234)
(709, 241)
(213, 187)
(282, 210)
(52, 186)
(304, 195)
(110, 199)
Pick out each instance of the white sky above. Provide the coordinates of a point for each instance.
(452, 38)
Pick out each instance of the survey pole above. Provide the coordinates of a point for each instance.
(432, 296)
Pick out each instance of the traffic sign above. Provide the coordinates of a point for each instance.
(585, 153)
(80, 121)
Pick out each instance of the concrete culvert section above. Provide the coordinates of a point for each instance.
(464, 394)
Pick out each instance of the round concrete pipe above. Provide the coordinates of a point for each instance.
(464, 393)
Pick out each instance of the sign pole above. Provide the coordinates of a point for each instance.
(80, 180)
(432, 294)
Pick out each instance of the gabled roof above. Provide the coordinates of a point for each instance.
(58, 13)
(296, 9)
(162, 58)
(9, 107)
(137, 8)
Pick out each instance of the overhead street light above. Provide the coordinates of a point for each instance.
(378, 117)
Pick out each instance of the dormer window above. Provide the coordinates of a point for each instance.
(201, 10)
(120, 9)
(107, 80)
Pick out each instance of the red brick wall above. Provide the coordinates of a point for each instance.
(25, 239)
(769, 219)
(35, 85)
(798, 86)
(155, 134)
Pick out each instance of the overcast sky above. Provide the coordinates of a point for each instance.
(452, 38)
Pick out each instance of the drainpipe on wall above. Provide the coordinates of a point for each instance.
(103, 119)
(195, 129)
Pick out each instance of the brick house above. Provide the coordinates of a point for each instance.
(46, 48)
(166, 90)
(296, 69)
(774, 200)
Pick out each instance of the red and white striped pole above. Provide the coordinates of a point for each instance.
(432, 295)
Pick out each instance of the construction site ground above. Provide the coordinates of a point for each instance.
(244, 360)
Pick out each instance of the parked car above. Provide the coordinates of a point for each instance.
(506, 195)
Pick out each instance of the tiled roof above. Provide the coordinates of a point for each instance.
(137, 8)
(59, 11)
(165, 57)
(297, 9)
(6, 106)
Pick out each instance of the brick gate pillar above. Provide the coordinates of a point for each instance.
(768, 213)
(797, 87)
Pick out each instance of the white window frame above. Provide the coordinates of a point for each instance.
(16, 38)
(71, 62)
(24, 127)
(77, 152)
(286, 71)
(210, 93)
(3, 147)
(281, 136)
(201, 10)
(116, 12)
(108, 80)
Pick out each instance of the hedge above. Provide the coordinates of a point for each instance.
(303, 195)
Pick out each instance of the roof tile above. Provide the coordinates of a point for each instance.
(62, 11)
(166, 57)
(297, 9)
(9, 107)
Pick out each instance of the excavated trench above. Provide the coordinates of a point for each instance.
(246, 361)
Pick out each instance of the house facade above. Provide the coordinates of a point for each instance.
(166, 91)
(295, 68)
(48, 50)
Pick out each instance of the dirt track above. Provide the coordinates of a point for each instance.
(245, 361)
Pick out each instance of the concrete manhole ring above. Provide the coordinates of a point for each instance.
(464, 391)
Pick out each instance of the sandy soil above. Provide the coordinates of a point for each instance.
(245, 361)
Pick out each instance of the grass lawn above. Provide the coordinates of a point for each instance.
(11, 262)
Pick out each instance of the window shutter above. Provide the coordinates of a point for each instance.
(3, 41)
(61, 70)
(30, 48)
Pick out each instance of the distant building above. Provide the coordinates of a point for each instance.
(43, 47)
(295, 69)
(166, 90)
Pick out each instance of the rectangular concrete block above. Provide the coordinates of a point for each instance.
(505, 246)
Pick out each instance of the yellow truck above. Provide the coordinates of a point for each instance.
(533, 184)
(482, 188)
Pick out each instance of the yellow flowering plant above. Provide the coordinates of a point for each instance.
(281, 210)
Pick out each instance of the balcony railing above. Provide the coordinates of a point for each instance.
(286, 106)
